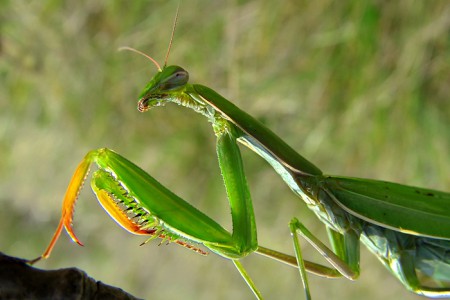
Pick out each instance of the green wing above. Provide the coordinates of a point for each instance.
(408, 209)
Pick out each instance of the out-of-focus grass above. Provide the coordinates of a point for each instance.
(359, 87)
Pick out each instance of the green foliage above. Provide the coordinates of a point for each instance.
(358, 87)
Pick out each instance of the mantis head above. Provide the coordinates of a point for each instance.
(167, 85)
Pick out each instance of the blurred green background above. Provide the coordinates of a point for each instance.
(358, 87)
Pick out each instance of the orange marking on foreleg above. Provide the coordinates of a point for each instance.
(119, 215)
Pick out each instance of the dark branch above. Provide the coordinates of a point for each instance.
(18, 280)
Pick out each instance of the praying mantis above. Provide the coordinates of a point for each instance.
(407, 228)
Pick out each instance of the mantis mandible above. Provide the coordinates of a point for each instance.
(407, 228)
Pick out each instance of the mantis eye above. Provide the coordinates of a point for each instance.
(176, 80)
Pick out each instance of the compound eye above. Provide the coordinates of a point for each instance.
(181, 77)
(176, 80)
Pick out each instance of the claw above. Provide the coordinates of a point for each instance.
(74, 188)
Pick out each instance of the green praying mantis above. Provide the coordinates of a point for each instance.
(407, 228)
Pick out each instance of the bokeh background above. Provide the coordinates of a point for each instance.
(358, 87)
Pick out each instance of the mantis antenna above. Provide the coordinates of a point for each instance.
(173, 33)
(168, 49)
(143, 54)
